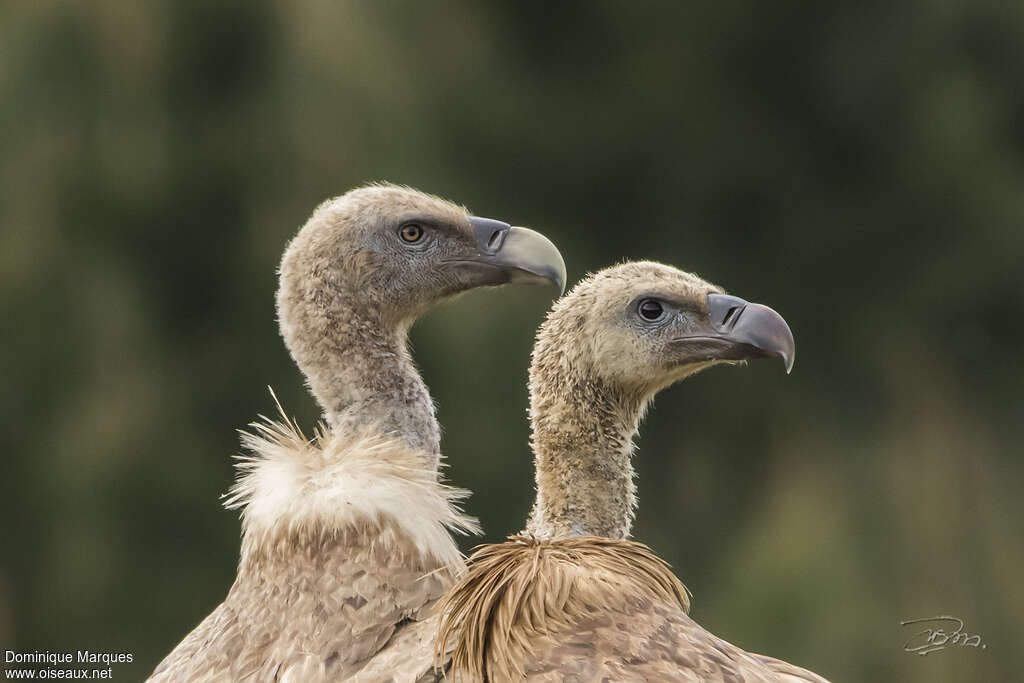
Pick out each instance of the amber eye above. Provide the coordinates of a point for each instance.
(651, 309)
(411, 232)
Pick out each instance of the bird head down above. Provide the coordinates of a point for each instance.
(397, 251)
(645, 325)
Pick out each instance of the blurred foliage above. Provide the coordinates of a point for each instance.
(858, 166)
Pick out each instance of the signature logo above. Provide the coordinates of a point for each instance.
(938, 633)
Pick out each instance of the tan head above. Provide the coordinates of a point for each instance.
(606, 348)
(643, 325)
(361, 271)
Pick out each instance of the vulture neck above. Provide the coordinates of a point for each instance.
(360, 370)
(583, 447)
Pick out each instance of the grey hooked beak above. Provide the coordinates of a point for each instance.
(741, 330)
(517, 254)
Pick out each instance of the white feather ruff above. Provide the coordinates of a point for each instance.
(289, 484)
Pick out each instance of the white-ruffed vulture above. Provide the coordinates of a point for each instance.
(345, 535)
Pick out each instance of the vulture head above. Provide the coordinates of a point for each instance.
(605, 350)
(392, 252)
(364, 267)
(641, 326)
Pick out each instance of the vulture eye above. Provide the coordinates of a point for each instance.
(411, 233)
(651, 310)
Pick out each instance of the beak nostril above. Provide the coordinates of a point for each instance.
(489, 234)
(492, 243)
(729, 314)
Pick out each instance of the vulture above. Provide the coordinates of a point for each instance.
(571, 598)
(345, 534)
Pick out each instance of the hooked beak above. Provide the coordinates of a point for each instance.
(508, 254)
(739, 330)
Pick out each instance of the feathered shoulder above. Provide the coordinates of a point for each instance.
(293, 488)
(524, 589)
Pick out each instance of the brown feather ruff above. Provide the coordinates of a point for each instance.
(527, 588)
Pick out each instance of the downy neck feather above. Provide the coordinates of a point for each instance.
(293, 489)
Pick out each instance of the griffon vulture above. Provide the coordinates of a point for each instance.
(345, 535)
(572, 598)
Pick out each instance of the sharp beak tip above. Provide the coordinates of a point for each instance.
(524, 255)
(756, 326)
(533, 253)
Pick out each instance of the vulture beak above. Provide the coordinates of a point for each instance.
(511, 254)
(740, 330)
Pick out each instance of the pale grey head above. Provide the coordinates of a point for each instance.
(360, 272)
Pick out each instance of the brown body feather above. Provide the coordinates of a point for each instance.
(528, 591)
(319, 620)
(584, 608)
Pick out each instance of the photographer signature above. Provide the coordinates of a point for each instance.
(932, 638)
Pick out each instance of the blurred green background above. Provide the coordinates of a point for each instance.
(858, 166)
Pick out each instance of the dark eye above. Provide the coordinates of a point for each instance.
(411, 233)
(651, 310)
